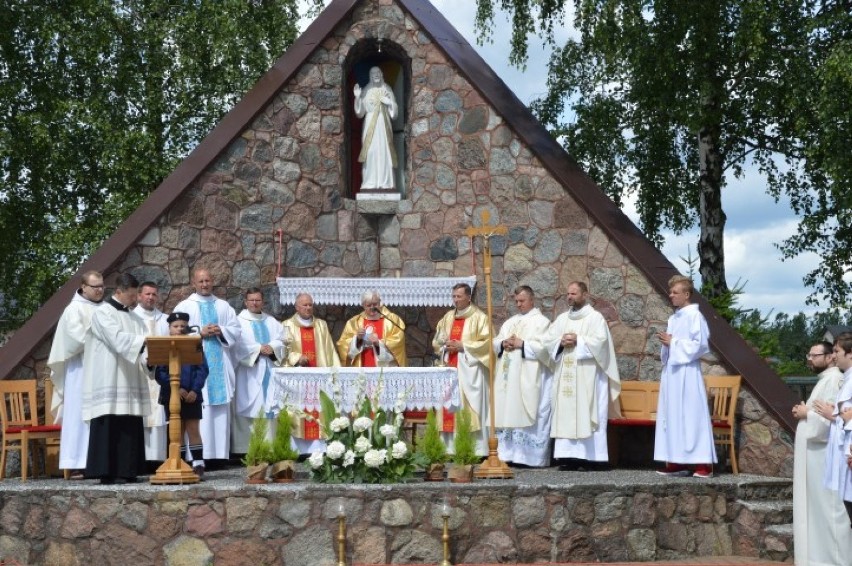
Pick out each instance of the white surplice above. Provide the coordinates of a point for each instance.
(114, 364)
(586, 384)
(218, 391)
(820, 525)
(156, 426)
(66, 365)
(522, 394)
(254, 374)
(684, 434)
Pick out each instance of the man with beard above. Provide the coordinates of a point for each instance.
(820, 531)
(579, 347)
(522, 386)
(66, 365)
(461, 339)
(220, 333)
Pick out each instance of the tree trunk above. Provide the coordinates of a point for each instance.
(711, 250)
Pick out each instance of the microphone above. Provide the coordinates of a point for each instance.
(381, 315)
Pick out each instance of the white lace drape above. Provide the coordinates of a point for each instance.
(419, 388)
(395, 292)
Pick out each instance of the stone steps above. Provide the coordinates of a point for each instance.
(764, 515)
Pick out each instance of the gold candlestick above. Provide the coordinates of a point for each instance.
(341, 536)
(445, 537)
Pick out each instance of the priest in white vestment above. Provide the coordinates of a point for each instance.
(377, 105)
(220, 332)
(462, 341)
(260, 351)
(822, 536)
(522, 386)
(684, 433)
(115, 393)
(586, 383)
(309, 344)
(156, 426)
(66, 371)
(838, 477)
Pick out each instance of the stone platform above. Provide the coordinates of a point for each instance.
(540, 516)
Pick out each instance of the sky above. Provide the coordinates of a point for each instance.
(755, 222)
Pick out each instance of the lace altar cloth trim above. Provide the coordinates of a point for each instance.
(420, 388)
(395, 292)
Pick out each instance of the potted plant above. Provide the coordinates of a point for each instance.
(431, 451)
(464, 446)
(259, 452)
(283, 453)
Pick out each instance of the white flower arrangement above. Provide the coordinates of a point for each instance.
(362, 446)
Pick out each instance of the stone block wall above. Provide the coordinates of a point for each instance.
(297, 526)
(287, 172)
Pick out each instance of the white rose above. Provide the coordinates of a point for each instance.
(316, 460)
(335, 450)
(399, 450)
(374, 458)
(361, 424)
(362, 444)
(388, 431)
(348, 458)
(338, 424)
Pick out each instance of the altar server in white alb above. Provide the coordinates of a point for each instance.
(684, 434)
(66, 366)
(586, 384)
(522, 386)
(115, 393)
(821, 531)
(838, 476)
(260, 351)
(156, 426)
(220, 333)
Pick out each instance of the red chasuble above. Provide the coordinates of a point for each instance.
(309, 350)
(453, 360)
(368, 356)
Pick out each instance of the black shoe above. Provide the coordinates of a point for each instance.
(570, 467)
(107, 480)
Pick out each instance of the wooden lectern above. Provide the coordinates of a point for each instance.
(174, 351)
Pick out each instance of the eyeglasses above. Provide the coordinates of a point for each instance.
(811, 356)
(94, 286)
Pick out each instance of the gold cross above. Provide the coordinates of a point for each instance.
(487, 230)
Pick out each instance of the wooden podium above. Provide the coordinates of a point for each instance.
(174, 351)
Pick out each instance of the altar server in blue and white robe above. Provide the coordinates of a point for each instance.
(261, 349)
(220, 331)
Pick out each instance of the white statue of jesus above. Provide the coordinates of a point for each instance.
(376, 102)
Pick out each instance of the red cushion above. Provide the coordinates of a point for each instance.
(415, 414)
(632, 422)
(721, 424)
(41, 428)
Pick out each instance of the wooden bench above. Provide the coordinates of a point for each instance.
(638, 402)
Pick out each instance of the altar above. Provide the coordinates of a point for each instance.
(399, 388)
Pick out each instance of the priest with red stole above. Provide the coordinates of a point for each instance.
(461, 339)
(308, 344)
(373, 338)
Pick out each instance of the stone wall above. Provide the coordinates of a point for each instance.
(287, 171)
(297, 526)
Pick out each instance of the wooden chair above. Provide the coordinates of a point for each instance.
(19, 414)
(51, 457)
(722, 394)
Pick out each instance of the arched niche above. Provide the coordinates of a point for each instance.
(396, 68)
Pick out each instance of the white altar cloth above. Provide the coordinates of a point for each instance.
(395, 291)
(422, 387)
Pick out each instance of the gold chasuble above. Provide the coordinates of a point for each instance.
(471, 327)
(391, 331)
(312, 340)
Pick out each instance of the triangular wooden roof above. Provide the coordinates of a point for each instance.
(732, 350)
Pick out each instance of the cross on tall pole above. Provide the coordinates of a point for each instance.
(492, 467)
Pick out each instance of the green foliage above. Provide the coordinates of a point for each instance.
(282, 448)
(99, 100)
(666, 100)
(464, 441)
(259, 449)
(430, 445)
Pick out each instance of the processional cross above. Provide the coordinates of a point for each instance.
(492, 467)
